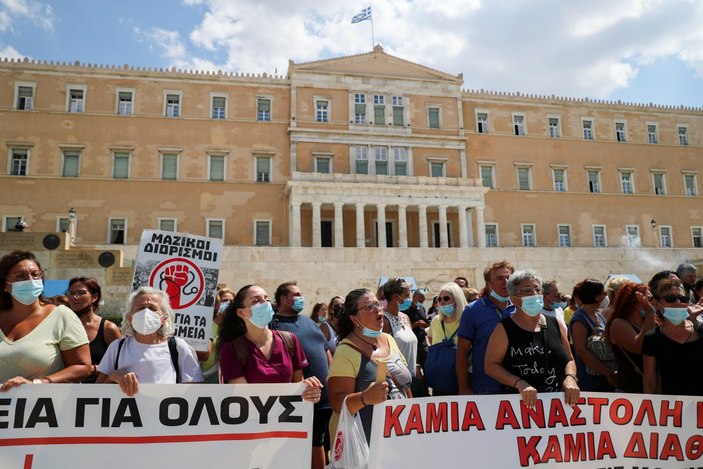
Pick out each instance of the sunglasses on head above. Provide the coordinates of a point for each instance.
(674, 298)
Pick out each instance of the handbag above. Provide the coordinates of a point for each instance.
(599, 346)
(350, 449)
(440, 365)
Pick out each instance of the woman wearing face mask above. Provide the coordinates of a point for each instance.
(540, 358)
(148, 353)
(633, 315)
(672, 352)
(585, 322)
(355, 366)
(250, 352)
(84, 295)
(39, 342)
(324, 318)
(397, 323)
(210, 366)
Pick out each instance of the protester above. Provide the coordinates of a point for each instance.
(322, 317)
(84, 295)
(477, 323)
(432, 312)
(39, 342)
(451, 304)
(463, 282)
(418, 320)
(612, 285)
(291, 304)
(362, 346)
(250, 352)
(553, 304)
(698, 292)
(148, 354)
(673, 352)
(687, 274)
(633, 316)
(210, 366)
(586, 322)
(395, 322)
(540, 357)
(335, 308)
(470, 294)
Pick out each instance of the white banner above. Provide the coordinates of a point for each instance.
(186, 267)
(190, 426)
(604, 430)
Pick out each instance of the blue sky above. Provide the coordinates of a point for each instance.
(637, 51)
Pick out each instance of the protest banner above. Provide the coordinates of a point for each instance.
(189, 426)
(186, 267)
(604, 430)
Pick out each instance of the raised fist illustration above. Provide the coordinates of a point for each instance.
(176, 277)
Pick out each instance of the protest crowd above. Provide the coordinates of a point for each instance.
(517, 333)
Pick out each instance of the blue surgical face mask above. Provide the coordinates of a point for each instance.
(447, 310)
(261, 314)
(419, 304)
(223, 306)
(405, 304)
(298, 304)
(643, 313)
(676, 315)
(559, 304)
(502, 299)
(532, 305)
(27, 291)
(370, 332)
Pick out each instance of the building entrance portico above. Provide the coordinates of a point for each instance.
(360, 204)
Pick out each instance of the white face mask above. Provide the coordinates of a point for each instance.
(146, 321)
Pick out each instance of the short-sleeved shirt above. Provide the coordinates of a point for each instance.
(438, 334)
(402, 332)
(278, 368)
(349, 363)
(39, 353)
(152, 363)
(314, 345)
(678, 364)
(478, 321)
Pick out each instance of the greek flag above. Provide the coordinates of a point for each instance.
(363, 15)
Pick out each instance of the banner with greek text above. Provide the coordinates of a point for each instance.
(186, 426)
(604, 430)
(186, 267)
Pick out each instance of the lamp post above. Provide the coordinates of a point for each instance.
(72, 224)
(654, 230)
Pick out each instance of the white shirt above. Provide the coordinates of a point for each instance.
(558, 314)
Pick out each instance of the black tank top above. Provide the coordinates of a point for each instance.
(98, 346)
(537, 357)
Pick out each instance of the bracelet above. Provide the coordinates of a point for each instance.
(517, 381)
(362, 399)
(572, 376)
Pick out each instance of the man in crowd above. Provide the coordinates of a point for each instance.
(463, 282)
(687, 274)
(554, 303)
(290, 301)
(477, 323)
(418, 319)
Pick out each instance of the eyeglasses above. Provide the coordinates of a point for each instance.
(445, 298)
(530, 291)
(674, 298)
(376, 305)
(22, 276)
(77, 293)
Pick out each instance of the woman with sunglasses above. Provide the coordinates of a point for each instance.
(528, 352)
(354, 372)
(84, 295)
(39, 342)
(673, 352)
(633, 315)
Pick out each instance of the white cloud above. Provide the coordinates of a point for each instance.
(532, 46)
(39, 13)
(11, 53)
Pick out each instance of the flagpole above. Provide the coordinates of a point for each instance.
(373, 39)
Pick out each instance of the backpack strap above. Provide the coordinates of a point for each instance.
(119, 349)
(173, 350)
(287, 338)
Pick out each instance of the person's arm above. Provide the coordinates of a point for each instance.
(649, 377)
(579, 335)
(387, 326)
(495, 353)
(77, 366)
(463, 347)
(112, 332)
(311, 392)
(329, 357)
(325, 328)
(127, 380)
(570, 385)
(339, 387)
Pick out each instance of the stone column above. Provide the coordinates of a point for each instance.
(463, 228)
(480, 228)
(443, 238)
(294, 227)
(381, 224)
(423, 225)
(402, 226)
(338, 225)
(360, 231)
(316, 235)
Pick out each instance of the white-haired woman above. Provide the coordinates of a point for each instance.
(451, 302)
(148, 353)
